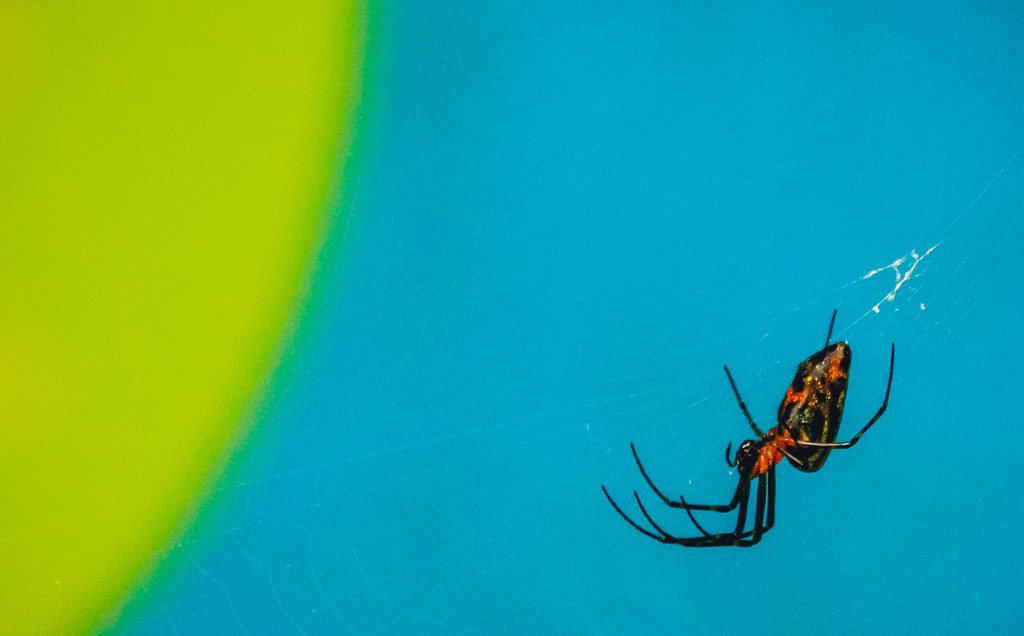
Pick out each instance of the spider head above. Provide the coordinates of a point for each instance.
(745, 456)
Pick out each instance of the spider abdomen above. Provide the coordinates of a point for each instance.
(813, 406)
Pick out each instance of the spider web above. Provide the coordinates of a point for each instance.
(432, 461)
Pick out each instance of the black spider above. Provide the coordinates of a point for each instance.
(808, 421)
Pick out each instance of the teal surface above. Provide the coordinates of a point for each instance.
(563, 221)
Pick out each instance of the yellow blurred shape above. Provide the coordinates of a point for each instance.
(164, 169)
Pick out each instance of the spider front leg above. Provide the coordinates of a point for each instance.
(764, 516)
(740, 498)
(743, 405)
(736, 499)
(682, 502)
(708, 540)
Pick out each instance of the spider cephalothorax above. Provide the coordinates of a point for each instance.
(746, 455)
(808, 421)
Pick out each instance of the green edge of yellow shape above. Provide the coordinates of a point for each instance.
(164, 172)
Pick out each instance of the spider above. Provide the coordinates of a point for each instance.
(808, 421)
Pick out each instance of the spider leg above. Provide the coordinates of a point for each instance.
(682, 502)
(770, 514)
(741, 499)
(830, 325)
(666, 500)
(765, 519)
(763, 496)
(696, 523)
(636, 525)
(743, 405)
(654, 523)
(736, 536)
(664, 537)
(740, 522)
(763, 513)
(708, 540)
(881, 409)
(741, 517)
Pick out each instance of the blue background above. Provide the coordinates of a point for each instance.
(559, 223)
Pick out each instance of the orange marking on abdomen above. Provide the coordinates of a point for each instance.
(795, 396)
(835, 370)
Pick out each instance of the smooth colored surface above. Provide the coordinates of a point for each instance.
(163, 173)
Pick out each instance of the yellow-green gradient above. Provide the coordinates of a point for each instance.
(164, 168)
